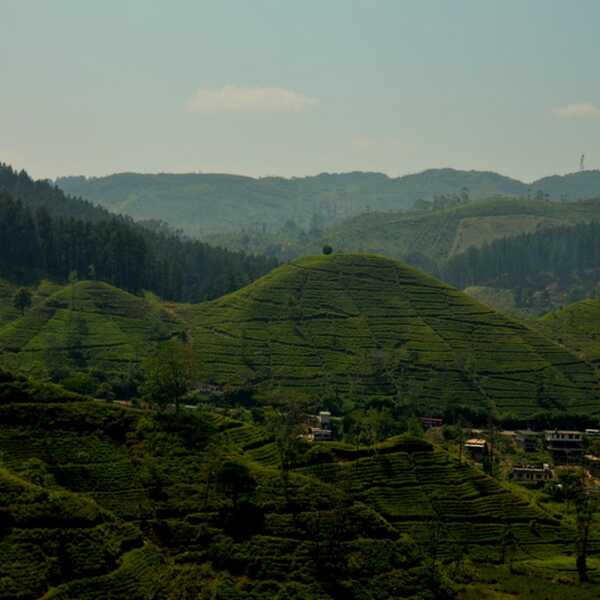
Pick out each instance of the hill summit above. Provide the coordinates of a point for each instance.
(363, 330)
(85, 324)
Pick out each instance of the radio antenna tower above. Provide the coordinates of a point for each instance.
(582, 163)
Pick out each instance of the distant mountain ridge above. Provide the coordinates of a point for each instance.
(424, 238)
(202, 204)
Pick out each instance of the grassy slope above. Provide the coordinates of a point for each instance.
(434, 236)
(211, 203)
(352, 511)
(204, 204)
(49, 535)
(90, 323)
(577, 326)
(438, 235)
(7, 293)
(54, 536)
(367, 328)
(501, 299)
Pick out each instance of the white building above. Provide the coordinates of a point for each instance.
(532, 474)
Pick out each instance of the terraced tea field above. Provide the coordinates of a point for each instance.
(442, 234)
(417, 488)
(39, 293)
(98, 501)
(369, 330)
(577, 326)
(51, 537)
(151, 521)
(88, 324)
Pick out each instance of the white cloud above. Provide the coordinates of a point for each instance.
(232, 98)
(583, 110)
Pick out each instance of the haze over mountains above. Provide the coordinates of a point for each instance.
(45, 233)
(222, 495)
(205, 204)
(241, 358)
(430, 219)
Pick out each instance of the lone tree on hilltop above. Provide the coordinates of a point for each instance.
(327, 249)
(22, 300)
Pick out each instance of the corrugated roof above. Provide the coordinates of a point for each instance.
(476, 442)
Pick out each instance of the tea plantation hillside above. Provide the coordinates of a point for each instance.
(99, 501)
(577, 326)
(88, 324)
(439, 235)
(425, 237)
(8, 289)
(365, 330)
(51, 537)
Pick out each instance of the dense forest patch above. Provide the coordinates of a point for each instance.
(45, 234)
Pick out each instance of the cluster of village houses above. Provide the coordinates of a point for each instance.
(564, 446)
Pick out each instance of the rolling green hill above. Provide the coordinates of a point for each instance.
(574, 186)
(428, 238)
(439, 235)
(99, 501)
(577, 326)
(88, 324)
(435, 240)
(359, 330)
(205, 204)
(202, 204)
(347, 330)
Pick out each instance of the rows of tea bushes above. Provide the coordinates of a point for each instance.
(108, 501)
(82, 326)
(357, 330)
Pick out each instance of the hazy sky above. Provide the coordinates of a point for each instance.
(292, 87)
